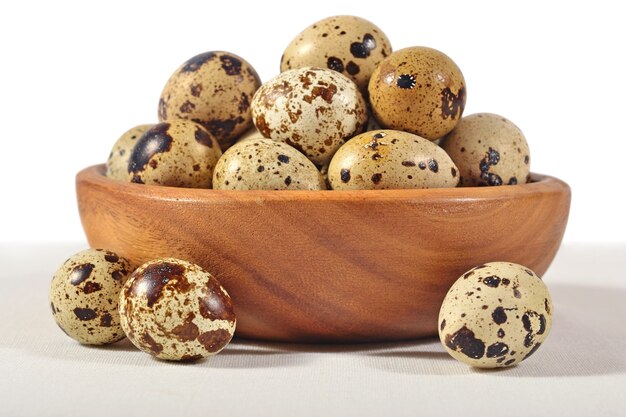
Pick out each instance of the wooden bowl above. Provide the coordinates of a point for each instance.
(329, 266)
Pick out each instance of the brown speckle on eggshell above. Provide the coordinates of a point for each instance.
(84, 296)
(175, 310)
(489, 150)
(315, 110)
(495, 315)
(213, 89)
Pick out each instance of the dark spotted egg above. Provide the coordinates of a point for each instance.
(264, 164)
(495, 315)
(117, 164)
(179, 153)
(213, 89)
(489, 150)
(350, 45)
(315, 110)
(418, 90)
(390, 159)
(84, 296)
(175, 310)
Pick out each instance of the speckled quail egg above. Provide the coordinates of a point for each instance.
(489, 150)
(213, 89)
(386, 159)
(495, 315)
(179, 153)
(315, 110)
(117, 164)
(418, 90)
(84, 296)
(350, 45)
(264, 164)
(175, 310)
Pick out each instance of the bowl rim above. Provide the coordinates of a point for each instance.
(540, 184)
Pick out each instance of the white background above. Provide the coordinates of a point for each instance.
(74, 76)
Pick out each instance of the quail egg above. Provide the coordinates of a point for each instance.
(489, 150)
(263, 164)
(84, 296)
(213, 89)
(179, 153)
(175, 310)
(383, 159)
(495, 315)
(350, 45)
(117, 164)
(315, 110)
(418, 90)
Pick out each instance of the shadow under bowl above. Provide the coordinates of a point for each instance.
(329, 266)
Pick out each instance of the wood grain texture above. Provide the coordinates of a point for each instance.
(329, 266)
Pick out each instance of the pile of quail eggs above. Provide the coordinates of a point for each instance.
(345, 113)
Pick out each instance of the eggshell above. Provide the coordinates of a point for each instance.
(489, 150)
(213, 89)
(350, 45)
(175, 310)
(418, 90)
(387, 159)
(84, 296)
(117, 164)
(495, 315)
(315, 110)
(263, 164)
(179, 153)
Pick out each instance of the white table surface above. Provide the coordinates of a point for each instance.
(579, 371)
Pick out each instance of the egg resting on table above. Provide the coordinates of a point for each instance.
(213, 89)
(489, 150)
(179, 153)
(117, 164)
(315, 110)
(418, 90)
(84, 296)
(495, 315)
(350, 45)
(390, 159)
(175, 310)
(264, 164)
